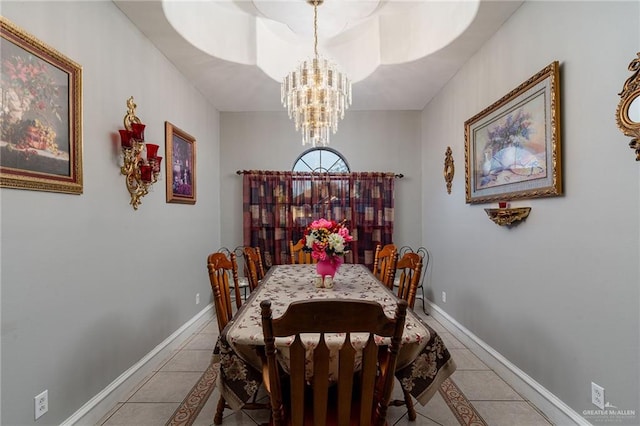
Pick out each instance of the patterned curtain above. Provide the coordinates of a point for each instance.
(372, 196)
(267, 220)
(278, 206)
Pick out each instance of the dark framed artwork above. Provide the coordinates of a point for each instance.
(180, 151)
(512, 148)
(41, 116)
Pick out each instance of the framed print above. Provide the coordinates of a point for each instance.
(512, 148)
(41, 116)
(180, 151)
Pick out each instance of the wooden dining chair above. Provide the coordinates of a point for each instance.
(357, 397)
(243, 281)
(384, 264)
(425, 258)
(221, 268)
(254, 269)
(222, 271)
(407, 277)
(299, 256)
(408, 272)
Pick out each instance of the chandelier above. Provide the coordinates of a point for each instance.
(316, 94)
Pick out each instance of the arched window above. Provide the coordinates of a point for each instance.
(321, 160)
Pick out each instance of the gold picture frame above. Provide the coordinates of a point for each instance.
(512, 148)
(41, 118)
(180, 150)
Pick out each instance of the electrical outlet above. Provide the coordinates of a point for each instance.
(41, 404)
(444, 297)
(197, 298)
(597, 395)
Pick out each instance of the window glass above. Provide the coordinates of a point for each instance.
(321, 160)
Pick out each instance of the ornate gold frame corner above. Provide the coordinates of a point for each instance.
(630, 93)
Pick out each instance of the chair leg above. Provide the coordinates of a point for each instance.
(424, 309)
(409, 403)
(217, 419)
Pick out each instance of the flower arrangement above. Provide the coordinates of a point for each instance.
(28, 91)
(325, 239)
(514, 130)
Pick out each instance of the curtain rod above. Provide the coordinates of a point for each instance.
(242, 172)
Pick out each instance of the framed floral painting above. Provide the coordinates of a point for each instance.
(512, 148)
(41, 116)
(180, 151)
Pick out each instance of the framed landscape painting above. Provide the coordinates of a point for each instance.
(512, 148)
(41, 115)
(180, 151)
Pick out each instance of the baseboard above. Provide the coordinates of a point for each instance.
(549, 404)
(98, 406)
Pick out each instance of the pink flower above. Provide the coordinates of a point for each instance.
(326, 238)
(344, 233)
(322, 223)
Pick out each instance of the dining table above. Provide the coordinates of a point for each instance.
(423, 361)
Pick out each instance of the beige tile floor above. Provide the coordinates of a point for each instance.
(153, 401)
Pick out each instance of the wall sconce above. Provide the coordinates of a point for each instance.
(140, 172)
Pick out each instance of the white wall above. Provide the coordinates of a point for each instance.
(90, 286)
(557, 295)
(384, 141)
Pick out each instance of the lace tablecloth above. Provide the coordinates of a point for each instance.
(423, 364)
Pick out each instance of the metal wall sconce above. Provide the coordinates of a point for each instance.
(140, 172)
(505, 216)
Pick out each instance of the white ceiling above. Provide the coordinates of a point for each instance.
(235, 30)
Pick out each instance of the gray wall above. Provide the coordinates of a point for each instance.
(90, 286)
(386, 141)
(557, 295)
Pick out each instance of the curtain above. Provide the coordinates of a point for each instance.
(278, 206)
(372, 195)
(267, 219)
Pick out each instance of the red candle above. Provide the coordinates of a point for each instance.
(125, 138)
(156, 164)
(145, 172)
(503, 204)
(152, 151)
(138, 131)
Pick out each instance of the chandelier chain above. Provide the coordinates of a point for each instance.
(315, 28)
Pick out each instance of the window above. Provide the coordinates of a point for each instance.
(321, 160)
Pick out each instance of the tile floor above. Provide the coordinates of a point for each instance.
(153, 401)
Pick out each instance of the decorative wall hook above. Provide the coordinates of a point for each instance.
(449, 169)
(140, 172)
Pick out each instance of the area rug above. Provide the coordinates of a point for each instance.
(190, 407)
(460, 405)
(197, 397)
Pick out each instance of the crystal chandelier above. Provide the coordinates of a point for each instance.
(316, 94)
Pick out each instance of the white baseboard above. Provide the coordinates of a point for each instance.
(549, 404)
(98, 406)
